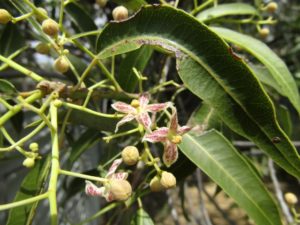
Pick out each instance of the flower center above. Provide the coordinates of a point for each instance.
(135, 103)
(176, 139)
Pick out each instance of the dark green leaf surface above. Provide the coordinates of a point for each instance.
(210, 71)
(11, 40)
(82, 20)
(7, 89)
(141, 218)
(32, 185)
(216, 156)
(137, 59)
(231, 9)
(266, 56)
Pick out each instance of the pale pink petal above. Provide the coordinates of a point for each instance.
(109, 197)
(123, 107)
(159, 135)
(170, 153)
(144, 100)
(174, 120)
(144, 119)
(113, 168)
(92, 190)
(158, 107)
(183, 130)
(125, 119)
(120, 176)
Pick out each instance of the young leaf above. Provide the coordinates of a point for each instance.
(141, 218)
(217, 157)
(32, 185)
(210, 71)
(230, 9)
(266, 56)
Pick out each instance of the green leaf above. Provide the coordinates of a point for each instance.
(210, 71)
(137, 59)
(31, 186)
(11, 39)
(266, 56)
(231, 9)
(82, 20)
(217, 157)
(284, 117)
(7, 89)
(141, 218)
(86, 141)
(131, 4)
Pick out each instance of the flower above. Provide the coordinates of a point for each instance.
(170, 136)
(115, 188)
(138, 110)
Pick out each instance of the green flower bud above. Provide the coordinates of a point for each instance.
(167, 180)
(61, 64)
(155, 184)
(120, 189)
(50, 27)
(28, 162)
(130, 155)
(34, 146)
(42, 48)
(5, 16)
(42, 15)
(120, 13)
(272, 7)
(264, 32)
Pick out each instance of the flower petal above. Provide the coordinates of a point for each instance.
(123, 107)
(144, 100)
(125, 119)
(159, 135)
(174, 120)
(170, 153)
(109, 196)
(120, 176)
(113, 168)
(158, 106)
(183, 129)
(144, 119)
(92, 190)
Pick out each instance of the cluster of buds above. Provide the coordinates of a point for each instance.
(165, 181)
(115, 187)
(32, 156)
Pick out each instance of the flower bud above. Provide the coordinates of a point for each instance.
(34, 146)
(120, 13)
(101, 3)
(50, 27)
(272, 7)
(5, 16)
(120, 189)
(61, 64)
(291, 198)
(264, 32)
(167, 180)
(130, 155)
(42, 48)
(57, 103)
(155, 184)
(28, 162)
(42, 15)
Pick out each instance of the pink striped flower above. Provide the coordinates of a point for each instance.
(139, 110)
(170, 136)
(104, 191)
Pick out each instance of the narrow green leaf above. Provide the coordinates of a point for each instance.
(82, 20)
(209, 70)
(266, 56)
(11, 39)
(7, 89)
(216, 156)
(31, 186)
(86, 141)
(230, 9)
(141, 218)
(137, 59)
(284, 117)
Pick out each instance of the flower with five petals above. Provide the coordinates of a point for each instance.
(139, 110)
(115, 188)
(170, 136)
